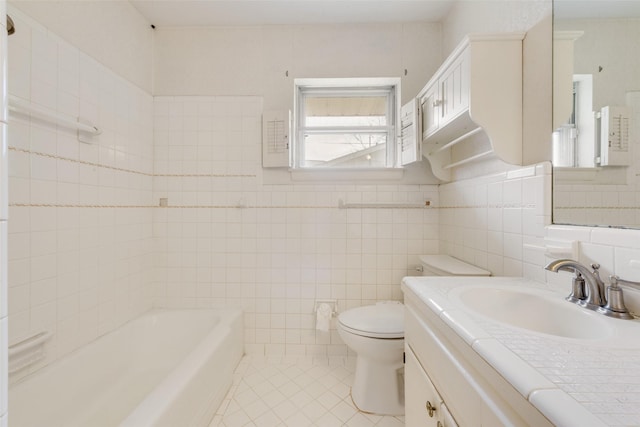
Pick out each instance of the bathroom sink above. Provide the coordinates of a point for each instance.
(535, 310)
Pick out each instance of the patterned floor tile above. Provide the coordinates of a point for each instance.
(296, 392)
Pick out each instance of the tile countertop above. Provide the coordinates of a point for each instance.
(573, 382)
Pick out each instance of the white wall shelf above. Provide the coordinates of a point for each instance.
(472, 106)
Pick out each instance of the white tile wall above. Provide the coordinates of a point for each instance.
(494, 221)
(616, 250)
(290, 244)
(508, 233)
(80, 241)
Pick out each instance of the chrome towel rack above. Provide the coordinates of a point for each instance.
(343, 205)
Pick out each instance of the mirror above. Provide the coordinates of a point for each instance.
(596, 113)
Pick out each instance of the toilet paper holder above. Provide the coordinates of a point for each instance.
(332, 303)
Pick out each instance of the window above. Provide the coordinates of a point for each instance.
(346, 123)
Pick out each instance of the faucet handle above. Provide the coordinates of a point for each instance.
(615, 281)
(615, 302)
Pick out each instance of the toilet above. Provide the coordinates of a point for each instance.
(376, 334)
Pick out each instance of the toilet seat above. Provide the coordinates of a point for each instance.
(383, 320)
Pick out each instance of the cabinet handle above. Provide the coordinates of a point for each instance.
(430, 409)
(437, 102)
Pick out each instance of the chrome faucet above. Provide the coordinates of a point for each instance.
(595, 297)
(609, 302)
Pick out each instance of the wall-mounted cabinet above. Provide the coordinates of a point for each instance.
(472, 106)
(445, 97)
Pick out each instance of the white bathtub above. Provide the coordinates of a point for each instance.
(165, 368)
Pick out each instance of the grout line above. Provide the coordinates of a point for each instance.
(55, 205)
(99, 165)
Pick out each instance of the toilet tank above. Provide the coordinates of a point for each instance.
(446, 265)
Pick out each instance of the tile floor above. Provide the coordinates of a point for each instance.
(295, 392)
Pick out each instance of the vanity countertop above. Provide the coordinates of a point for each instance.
(573, 382)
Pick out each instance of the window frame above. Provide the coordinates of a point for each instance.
(389, 87)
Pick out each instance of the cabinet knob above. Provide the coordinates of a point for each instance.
(437, 102)
(439, 424)
(430, 408)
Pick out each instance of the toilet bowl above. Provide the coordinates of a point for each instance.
(376, 334)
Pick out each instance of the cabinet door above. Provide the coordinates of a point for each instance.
(421, 400)
(430, 109)
(447, 418)
(454, 89)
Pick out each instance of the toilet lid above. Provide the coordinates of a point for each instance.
(446, 265)
(383, 320)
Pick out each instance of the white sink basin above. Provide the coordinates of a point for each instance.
(536, 310)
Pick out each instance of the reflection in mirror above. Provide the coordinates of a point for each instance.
(596, 142)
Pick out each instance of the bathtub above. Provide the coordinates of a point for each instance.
(166, 368)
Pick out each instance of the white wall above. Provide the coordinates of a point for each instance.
(111, 32)
(80, 248)
(487, 16)
(287, 246)
(613, 45)
(502, 222)
(489, 220)
(238, 61)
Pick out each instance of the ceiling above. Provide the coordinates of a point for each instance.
(180, 13)
(586, 9)
(189, 13)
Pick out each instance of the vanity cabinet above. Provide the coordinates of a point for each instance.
(423, 405)
(442, 367)
(472, 106)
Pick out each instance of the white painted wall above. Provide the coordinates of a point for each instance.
(112, 32)
(487, 16)
(255, 60)
(613, 45)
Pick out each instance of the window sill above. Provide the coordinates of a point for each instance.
(350, 175)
